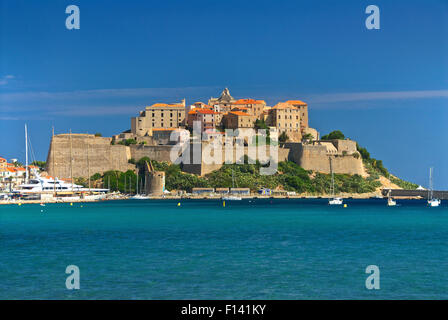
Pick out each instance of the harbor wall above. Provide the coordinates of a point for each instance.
(442, 195)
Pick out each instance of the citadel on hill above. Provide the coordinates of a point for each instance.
(81, 155)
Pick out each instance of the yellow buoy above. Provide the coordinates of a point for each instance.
(71, 203)
(223, 203)
(178, 204)
(345, 205)
(20, 204)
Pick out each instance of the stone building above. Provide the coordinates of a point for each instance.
(208, 118)
(224, 103)
(253, 107)
(290, 117)
(160, 116)
(238, 119)
(286, 118)
(303, 111)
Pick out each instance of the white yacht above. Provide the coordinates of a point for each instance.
(40, 184)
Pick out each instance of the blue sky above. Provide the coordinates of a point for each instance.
(387, 88)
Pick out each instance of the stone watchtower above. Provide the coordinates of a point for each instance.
(155, 180)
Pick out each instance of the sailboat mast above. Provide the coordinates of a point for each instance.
(53, 151)
(88, 163)
(430, 183)
(26, 154)
(71, 159)
(332, 179)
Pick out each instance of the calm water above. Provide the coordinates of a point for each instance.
(259, 249)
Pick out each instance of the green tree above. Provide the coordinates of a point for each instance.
(307, 137)
(261, 124)
(334, 135)
(40, 164)
(363, 151)
(98, 134)
(283, 137)
(128, 142)
(95, 177)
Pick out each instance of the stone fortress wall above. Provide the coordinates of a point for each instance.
(86, 151)
(98, 153)
(101, 155)
(316, 156)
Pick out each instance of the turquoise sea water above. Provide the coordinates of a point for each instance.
(250, 249)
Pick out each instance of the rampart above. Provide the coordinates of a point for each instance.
(97, 155)
(87, 151)
(317, 156)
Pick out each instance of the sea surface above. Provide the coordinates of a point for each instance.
(250, 249)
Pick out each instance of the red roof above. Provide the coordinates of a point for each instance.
(239, 113)
(296, 102)
(249, 101)
(164, 129)
(166, 105)
(203, 111)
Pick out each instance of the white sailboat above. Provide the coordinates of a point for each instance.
(333, 200)
(432, 202)
(390, 201)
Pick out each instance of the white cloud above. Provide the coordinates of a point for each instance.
(5, 79)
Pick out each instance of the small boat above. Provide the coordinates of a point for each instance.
(333, 201)
(232, 198)
(390, 201)
(432, 202)
(139, 197)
